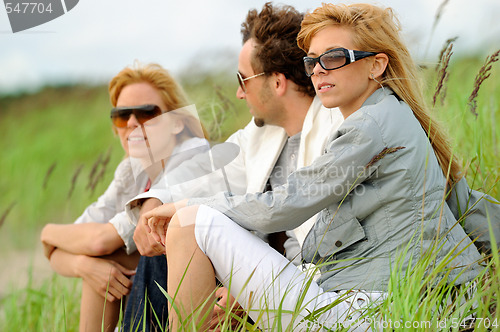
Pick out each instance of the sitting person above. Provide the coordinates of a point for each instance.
(157, 132)
(289, 130)
(379, 189)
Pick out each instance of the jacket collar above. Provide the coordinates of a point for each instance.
(377, 96)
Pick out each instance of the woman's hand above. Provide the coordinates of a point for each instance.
(157, 220)
(143, 239)
(108, 278)
(48, 249)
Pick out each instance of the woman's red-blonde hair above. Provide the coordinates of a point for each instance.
(172, 94)
(375, 29)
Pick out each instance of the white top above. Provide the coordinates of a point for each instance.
(129, 180)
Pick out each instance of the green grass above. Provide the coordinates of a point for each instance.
(53, 141)
(67, 129)
(52, 306)
(475, 139)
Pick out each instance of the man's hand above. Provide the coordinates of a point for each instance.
(157, 220)
(226, 302)
(108, 278)
(146, 244)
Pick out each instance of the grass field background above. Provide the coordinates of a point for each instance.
(59, 154)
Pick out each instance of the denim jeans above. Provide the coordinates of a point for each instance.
(139, 315)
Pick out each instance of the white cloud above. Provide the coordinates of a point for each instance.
(98, 38)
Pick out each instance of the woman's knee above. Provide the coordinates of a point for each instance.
(182, 222)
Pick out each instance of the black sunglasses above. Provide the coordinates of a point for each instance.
(334, 59)
(120, 115)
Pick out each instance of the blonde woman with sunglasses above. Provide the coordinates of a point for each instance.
(157, 132)
(380, 188)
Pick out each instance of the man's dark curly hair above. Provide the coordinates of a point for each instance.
(275, 31)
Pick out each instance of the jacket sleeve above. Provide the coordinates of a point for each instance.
(477, 212)
(329, 179)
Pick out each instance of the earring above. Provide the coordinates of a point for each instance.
(373, 78)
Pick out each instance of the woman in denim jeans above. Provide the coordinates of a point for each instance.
(150, 118)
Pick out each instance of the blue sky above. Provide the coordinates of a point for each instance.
(96, 39)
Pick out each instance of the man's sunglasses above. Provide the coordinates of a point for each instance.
(334, 59)
(241, 80)
(120, 115)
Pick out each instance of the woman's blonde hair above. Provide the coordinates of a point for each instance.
(376, 29)
(170, 91)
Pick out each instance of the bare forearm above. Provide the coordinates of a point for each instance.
(93, 239)
(106, 276)
(65, 237)
(65, 263)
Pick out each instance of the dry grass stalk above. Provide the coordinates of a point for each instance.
(227, 103)
(106, 160)
(93, 171)
(443, 74)
(73, 180)
(97, 180)
(48, 174)
(482, 75)
(6, 213)
(439, 13)
(437, 18)
(382, 154)
(219, 113)
(443, 50)
(104, 164)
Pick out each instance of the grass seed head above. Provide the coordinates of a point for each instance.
(481, 76)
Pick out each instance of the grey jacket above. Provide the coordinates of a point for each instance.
(372, 205)
(477, 213)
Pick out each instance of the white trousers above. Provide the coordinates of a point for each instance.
(268, 285)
